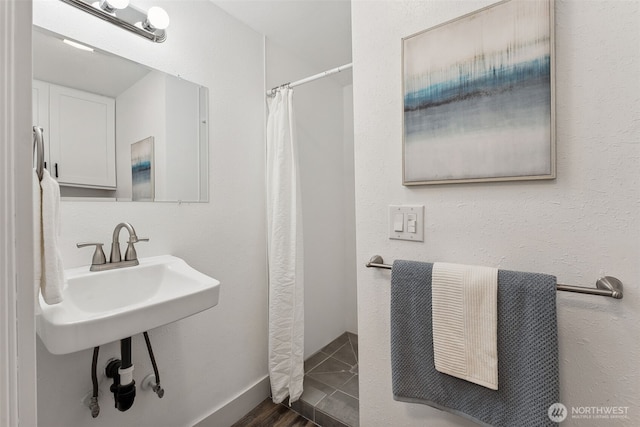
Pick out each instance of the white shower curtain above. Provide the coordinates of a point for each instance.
(284, 239)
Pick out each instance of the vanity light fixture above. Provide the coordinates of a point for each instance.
(150, 25)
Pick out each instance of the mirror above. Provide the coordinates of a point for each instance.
(118, 130)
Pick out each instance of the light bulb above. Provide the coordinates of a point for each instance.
(157, 18)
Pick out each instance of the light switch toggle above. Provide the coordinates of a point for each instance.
(398, 222)
(412, 220)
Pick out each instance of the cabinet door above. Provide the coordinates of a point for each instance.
(82, 138)
(40, 113)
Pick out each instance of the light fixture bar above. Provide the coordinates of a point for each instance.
(157, 35)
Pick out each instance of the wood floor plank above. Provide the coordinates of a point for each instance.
(269, 414)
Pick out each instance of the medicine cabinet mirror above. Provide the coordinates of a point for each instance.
(118, 130)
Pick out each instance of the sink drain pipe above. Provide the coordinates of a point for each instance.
(121, 370)
(123, 387)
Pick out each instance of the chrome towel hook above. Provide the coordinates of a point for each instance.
(38, 148)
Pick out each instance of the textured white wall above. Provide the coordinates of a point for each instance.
(579, 227)
(208, 359)
(329, 282)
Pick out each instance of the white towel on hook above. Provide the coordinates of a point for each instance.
(52, 270)
(465, 322)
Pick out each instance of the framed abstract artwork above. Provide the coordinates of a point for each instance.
(142, 171)
(478, 97)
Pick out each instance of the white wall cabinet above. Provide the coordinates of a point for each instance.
(80, 137)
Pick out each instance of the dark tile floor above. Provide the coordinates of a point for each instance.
(330, 397)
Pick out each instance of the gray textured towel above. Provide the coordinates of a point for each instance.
(527, 350)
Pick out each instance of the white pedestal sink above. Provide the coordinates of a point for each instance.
(106, 306)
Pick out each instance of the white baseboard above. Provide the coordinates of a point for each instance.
(237, 407)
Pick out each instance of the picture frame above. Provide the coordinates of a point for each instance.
(479, 97)
(142, 171)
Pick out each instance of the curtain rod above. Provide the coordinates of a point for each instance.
(606, 286)
(327, 73)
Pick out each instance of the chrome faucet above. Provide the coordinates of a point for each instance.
(99, 262)
(130, 254)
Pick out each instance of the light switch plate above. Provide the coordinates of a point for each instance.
(406, 211)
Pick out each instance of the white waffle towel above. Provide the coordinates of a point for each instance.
(465, 322)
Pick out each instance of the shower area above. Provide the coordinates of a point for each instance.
(323, 117)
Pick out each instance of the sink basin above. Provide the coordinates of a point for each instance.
(101, 307)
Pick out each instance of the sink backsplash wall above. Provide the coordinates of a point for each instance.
(199, 357)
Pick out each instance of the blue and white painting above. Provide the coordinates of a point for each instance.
(478, 97)
(142, 173)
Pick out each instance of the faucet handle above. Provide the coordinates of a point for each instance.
(98, 256)
(131, 254)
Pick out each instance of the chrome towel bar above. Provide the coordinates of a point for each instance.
(606, 286)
